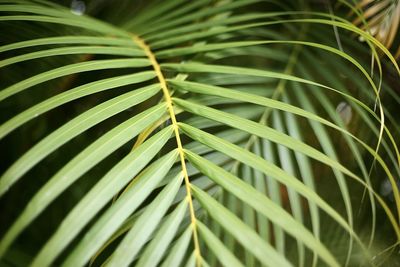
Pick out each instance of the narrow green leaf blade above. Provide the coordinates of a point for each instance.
(145, 225)
(243, 233)
(72, 129)
(157, 247)
(129, 201)
(101, 50)
(74, 39)
(107, 187)
(175, 256)
(261, 203)
(72, 69)
(70, 95)
(223, 254)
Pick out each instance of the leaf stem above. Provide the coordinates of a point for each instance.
(141, 43)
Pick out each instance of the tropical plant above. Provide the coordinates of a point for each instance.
(196, 133)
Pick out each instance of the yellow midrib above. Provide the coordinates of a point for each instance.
(142, 44)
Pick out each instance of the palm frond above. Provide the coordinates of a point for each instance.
(199, 133)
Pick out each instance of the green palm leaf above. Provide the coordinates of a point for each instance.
(202, 133)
